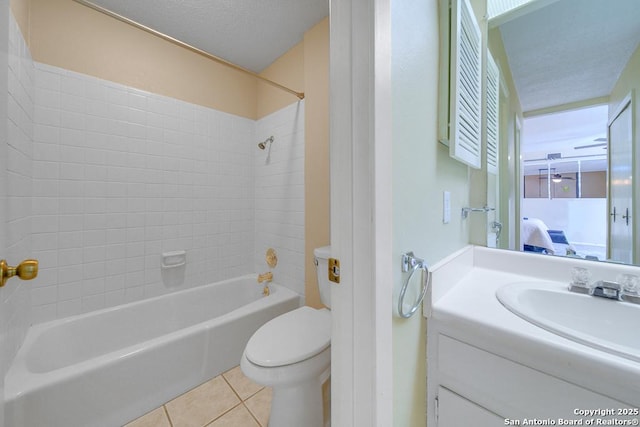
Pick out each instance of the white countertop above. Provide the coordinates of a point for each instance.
(464, 305)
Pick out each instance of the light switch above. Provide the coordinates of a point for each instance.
(446, 207)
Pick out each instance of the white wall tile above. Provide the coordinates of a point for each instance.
(16, 136)
(93, 302)
(69, 291)
(133, 174)
(279, 195)
(71, 307)
(44, 313)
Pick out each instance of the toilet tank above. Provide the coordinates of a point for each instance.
(322, 267)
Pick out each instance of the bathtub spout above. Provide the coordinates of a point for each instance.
(267, 278)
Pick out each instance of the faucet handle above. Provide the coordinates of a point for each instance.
(630, 287)
(629, 283)
(580, 280)
(580, 276)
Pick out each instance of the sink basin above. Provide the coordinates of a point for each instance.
(608, 325)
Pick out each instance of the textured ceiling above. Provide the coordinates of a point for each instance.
(550, 132)
(498, 7)
(249, 33)
(571, 50)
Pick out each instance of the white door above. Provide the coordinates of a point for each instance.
(620, 244)
(4, 79)
(515, 241)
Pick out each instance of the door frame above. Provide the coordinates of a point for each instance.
(361, 222)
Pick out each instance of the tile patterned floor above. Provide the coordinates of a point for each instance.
(228, 400)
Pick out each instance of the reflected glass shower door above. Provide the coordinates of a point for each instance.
(621, 188)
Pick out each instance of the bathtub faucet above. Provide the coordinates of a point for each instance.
(265, 277)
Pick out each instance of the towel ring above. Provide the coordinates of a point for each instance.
(409, 261)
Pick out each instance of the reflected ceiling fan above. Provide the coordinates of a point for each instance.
(558, 178)
(601, 142)
(555, 177)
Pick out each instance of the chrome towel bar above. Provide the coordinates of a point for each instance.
(465, 211)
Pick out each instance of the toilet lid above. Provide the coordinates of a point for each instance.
(292, 337)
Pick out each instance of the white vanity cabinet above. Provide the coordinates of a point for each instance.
(476, 387)
(455, 410)
(488, 367)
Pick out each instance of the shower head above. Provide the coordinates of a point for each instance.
(262, 145)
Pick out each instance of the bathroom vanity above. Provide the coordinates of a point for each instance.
(488, 366)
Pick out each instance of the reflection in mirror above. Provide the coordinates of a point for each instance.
(564, 170)
(569, 69)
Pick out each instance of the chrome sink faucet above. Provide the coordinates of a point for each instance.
(625, 288)
(604, 289)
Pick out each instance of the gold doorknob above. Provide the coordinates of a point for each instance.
(26, 270)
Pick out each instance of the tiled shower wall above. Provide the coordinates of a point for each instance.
(18, 187)
(121, 175)
(279, 195)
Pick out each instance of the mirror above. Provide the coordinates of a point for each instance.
(568, 73)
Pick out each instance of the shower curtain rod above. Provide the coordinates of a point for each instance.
(177, 42)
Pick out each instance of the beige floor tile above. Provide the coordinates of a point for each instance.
(241, 384)
(260, 405)
(155, 418)
(203, 404)
(237, 417)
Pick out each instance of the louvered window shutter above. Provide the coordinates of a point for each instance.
(493, 114)
(466, 91)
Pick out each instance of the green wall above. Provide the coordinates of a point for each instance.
(422, 170)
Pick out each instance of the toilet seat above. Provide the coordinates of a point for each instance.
(290, 338)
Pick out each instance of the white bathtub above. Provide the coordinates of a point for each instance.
(111, 366)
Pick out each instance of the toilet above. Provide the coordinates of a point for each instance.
(292, 354)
